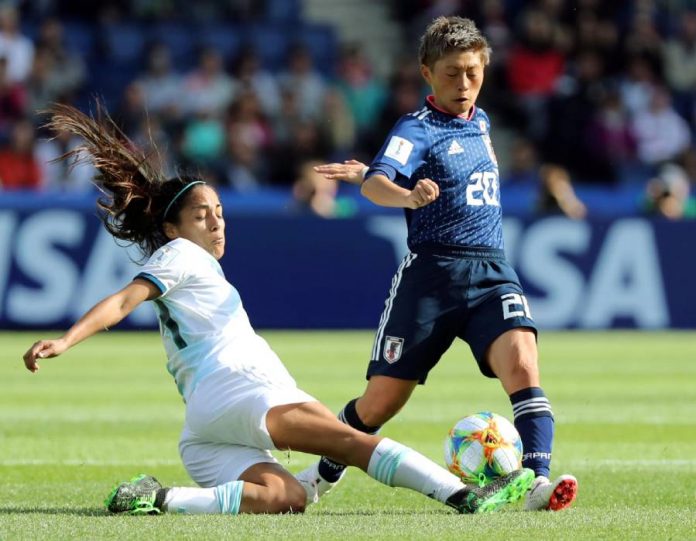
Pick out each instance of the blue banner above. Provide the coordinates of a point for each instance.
(305, 272)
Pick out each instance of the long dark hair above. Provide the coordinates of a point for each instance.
(135, 196)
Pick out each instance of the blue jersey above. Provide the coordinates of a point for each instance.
(457, 154)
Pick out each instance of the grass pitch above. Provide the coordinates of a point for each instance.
(625, 406)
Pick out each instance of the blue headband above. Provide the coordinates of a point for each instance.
(169, 206)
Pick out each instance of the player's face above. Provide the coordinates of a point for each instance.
(456, 80)
(201, 221)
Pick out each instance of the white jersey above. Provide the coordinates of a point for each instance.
(202, 321)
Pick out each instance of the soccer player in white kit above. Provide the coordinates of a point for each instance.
(241, 402)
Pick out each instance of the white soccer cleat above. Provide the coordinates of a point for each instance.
(551, 496)
(314, 484)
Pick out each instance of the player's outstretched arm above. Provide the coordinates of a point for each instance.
(351, 171)
(382, 191)
(102, 315)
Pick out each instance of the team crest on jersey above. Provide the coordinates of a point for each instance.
(393, 346)
(165, 256)
(399, 149)
(455, 148)
(483, 126)
(489, 148)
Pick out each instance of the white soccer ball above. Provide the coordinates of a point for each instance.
(483, 446)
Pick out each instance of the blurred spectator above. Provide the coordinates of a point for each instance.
(203, 143)
(131, 110)
(523, 166)
(637, 83)
(680, 66)
(595, 31)
(570, 115)
(161, 85)
(252, 78)
(16, 48)
(609, 136)
(306, 144)
(13, 101)
(19, 169)
(66, 70)
(496, 29)
(304, 81)
(556, 195)
(667, 194)
(661, 134)
(208, 88)
(248, 138)
(59, 175)
(289, 114)
(364, 94)
(337, 125)
(643, 39)
(41, 89)
(154, 141)
(536, 63)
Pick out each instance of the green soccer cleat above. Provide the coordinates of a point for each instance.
(139, 496)
(506, 489)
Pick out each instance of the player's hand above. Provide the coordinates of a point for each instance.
(425, 192)
(350, 171)
(43, 349)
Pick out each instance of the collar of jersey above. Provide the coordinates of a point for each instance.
(430, 103)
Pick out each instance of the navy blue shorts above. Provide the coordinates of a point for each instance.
(472, 294)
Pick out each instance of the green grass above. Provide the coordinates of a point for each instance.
(625, 407)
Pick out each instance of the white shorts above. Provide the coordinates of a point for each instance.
(225, 431)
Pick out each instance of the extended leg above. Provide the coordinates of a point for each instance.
(513, 358)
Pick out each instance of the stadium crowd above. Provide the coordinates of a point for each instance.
(581, 93)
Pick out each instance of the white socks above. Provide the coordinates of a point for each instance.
(224, 499)
(398, 466)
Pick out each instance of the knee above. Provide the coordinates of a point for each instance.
(291, 498)
(296, 499)
(523, 365)
(514, 361)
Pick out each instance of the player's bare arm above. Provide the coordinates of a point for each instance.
(351, 171)
(382, 191)
(104, 314)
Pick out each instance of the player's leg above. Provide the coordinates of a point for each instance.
(414, 331)
(262, 488)
(382, 399)
(502, 336)
(311, 428)
(232, 479)
(513, 358)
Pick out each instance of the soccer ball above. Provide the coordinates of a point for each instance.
(483, 446)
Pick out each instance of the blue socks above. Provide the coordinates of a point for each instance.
(534, 421)
(329, 470)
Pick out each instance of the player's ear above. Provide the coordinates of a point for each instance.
(170, 230)
(426, 73)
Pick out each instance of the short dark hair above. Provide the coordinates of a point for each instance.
(447, 34)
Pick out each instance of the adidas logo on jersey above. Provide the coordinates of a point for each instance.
(455, 148)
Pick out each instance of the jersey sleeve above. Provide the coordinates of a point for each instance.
(404, 149)
(166, 269)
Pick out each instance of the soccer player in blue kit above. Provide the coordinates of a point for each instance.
(438, 163)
